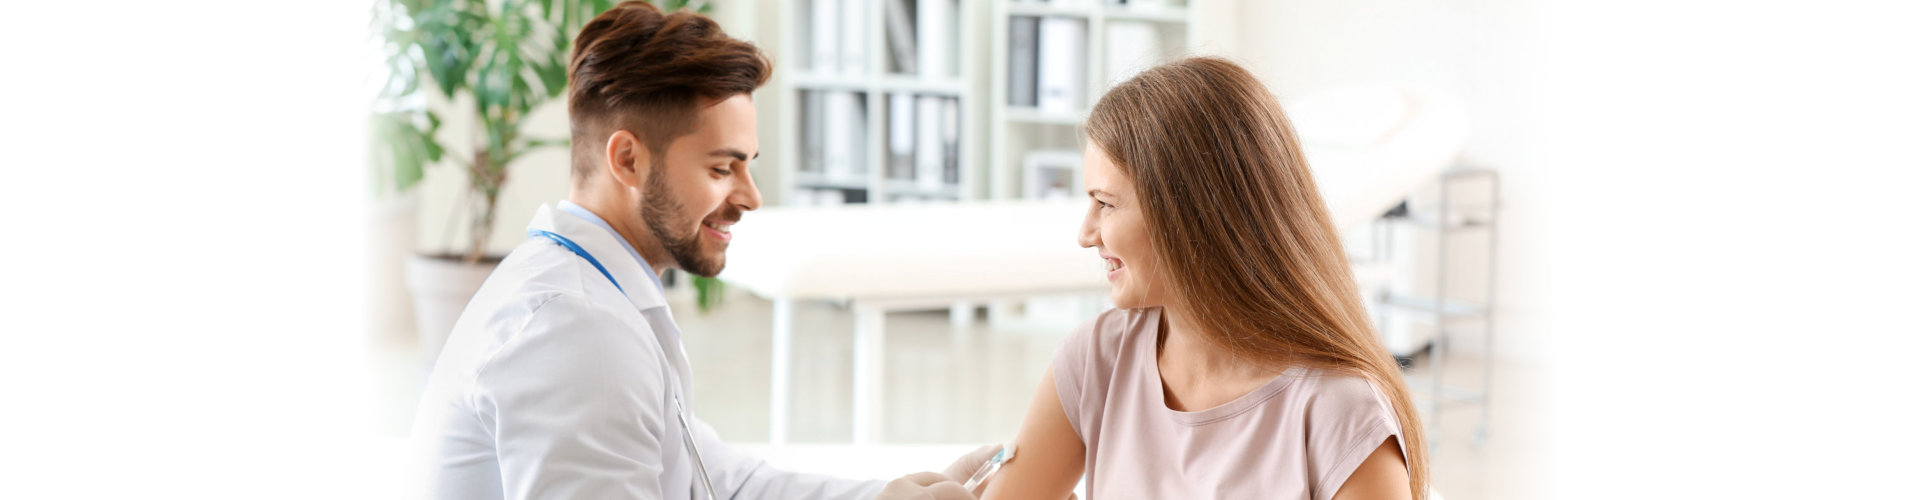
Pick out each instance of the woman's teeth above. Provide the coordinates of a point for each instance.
(1113, 264)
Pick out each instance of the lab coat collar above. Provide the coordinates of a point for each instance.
(605, 247)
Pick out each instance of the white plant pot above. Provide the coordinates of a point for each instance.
(441, 289)
(391, 226)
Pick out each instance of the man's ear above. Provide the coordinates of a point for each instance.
(627, 159)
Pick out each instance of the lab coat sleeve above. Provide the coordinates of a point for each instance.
(738, 475)
(571, 402)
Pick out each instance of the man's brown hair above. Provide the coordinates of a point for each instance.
(638, 69)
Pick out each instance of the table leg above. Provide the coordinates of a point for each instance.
(960, 315)
(782, 372)
(869, 347)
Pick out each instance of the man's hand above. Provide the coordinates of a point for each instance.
(965, 466)
(924, 486)
(940, 486)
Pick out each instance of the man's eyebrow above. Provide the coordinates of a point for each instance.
(734, 153)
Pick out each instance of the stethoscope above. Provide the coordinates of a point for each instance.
(680, 409)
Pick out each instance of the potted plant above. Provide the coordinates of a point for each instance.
(503, 58)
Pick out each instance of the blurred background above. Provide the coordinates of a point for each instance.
(1622, 248)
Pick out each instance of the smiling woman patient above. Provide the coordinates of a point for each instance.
(1238, 362)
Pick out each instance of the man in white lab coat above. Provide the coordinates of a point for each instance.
(565, 377)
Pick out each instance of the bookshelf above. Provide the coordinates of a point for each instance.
(989, 147)
(874, 103)
(1034, 140)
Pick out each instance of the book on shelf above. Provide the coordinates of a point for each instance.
(845, 129)
(950, 141)
(900, 43)
(828, 197)
(853, 36)
(900, 136)
(938, 41)
(1023, 62)
(1138, 4)
(837, 36)
(928, 151)
(857, 135)
(823, 21)
(813, 131)
(1062, 64)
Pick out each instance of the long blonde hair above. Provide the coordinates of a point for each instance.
(1233, 212)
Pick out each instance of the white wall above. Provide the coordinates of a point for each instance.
(1482, 52)
(1709, 226)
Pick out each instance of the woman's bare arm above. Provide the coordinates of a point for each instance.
(1382, 476)
(1048, 456)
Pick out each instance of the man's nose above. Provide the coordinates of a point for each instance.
(748, 196)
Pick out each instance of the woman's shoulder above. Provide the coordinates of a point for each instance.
(1332, 397)
(1101, 338)
(1093, 352)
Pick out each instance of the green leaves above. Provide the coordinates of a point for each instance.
(707, 292)
(510, 55)
(408, 144)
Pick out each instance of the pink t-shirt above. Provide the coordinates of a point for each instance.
(1298, 436)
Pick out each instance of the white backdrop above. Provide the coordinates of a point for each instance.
(1725, 240)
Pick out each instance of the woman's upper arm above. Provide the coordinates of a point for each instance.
(1048, 456)
(1382, 476)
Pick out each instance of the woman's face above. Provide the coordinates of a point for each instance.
(1116, 227)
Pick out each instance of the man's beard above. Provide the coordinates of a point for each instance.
(659, 211)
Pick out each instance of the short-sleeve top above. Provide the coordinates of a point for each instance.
(1297, 437)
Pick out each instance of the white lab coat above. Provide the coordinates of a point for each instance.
(555, 385)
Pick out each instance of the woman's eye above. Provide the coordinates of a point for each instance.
(722, 171)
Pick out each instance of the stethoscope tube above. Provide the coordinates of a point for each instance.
(699, 464)
(680, 409)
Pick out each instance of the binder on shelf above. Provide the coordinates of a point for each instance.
(1023, 61)
(900, 37)
(853, 36)
(825, 42)
(950, 141)
(857, 135)
(1132, 47)
(1063, 64)
(841, 134)
(900, 136)
(928, 152)
(813, 131)
(829, 197)
(938, 41)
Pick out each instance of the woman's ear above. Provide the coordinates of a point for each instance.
(627, 159)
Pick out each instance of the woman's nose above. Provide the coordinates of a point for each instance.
(1090, 230)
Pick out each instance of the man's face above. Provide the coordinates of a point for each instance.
(701, 186)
